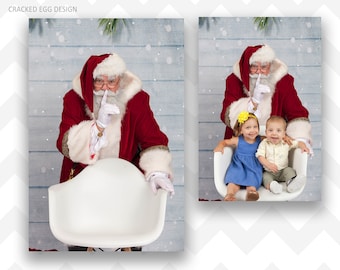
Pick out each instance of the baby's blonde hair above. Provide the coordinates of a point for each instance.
(276, 118)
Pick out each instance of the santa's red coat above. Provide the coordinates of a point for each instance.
(139, 130)
(133, 134)
(285, 101)
(282, 99)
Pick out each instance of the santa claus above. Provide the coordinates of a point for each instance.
(107, 114)
(260, 84)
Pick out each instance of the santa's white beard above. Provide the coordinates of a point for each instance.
(112, 98)
(265, 79)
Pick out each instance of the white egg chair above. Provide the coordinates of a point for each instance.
(108, 205)
(297, 160)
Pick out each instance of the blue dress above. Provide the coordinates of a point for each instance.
(244, 168)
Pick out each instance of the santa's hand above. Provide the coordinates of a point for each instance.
(259, 90)
(161, 180)
(106, 111)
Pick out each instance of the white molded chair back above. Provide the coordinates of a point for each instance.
(109, 205)
(297, 160)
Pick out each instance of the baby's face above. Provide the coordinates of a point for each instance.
(275, 132)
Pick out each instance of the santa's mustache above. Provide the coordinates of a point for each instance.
(100, 93)
(255, 76)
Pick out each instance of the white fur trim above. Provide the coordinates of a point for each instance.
(130, 85)
(235, 108)
(265, 109)
(79, 139)
(113, 65)
(263, 55)
(113, 136)
(156, 159)
(299, 128)
(77, 86)
(278, 69)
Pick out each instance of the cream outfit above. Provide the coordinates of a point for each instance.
(275, 153)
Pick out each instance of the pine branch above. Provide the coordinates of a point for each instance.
(110, 26)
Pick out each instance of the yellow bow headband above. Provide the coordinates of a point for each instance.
(244, 116)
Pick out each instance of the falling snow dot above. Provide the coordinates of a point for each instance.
(148, 47)
(309, 50)
(78, 21)
(309, 25)
(292, 40)
(61, 38)
(169, 60)
(81, 51)
(168, 28)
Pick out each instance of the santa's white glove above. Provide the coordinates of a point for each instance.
(259, 90)
(97, 142)
(161, 180)
(106, 111)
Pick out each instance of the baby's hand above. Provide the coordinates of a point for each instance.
(287, 140)
(272, 167)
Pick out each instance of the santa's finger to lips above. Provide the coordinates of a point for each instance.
(103, 102)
